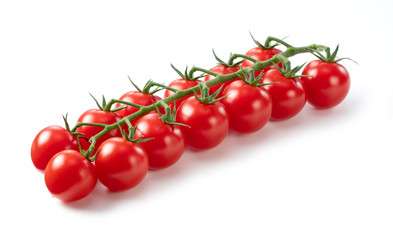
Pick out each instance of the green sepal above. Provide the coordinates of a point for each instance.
(170, 114)
(260, 45)
(286, 69)
(87, 153)
(131, 133)
(67, 127)
(104, 106)
(206, 98)
(187, 74)
(248, 76)
(230, 61)
(330, 58)
(147, 88)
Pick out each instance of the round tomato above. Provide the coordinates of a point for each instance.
(222, 70)
(288, 94)
(249, 107)
(121, 164)
(69, 176)
(97, 116)
(50, 141)
(143, 99)
(327, 83)
(261, 54)
(167, 145)
(180, 84)
(208, 123)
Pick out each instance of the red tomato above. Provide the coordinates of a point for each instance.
(249, 107)
(261, 55)
(209, 123)
(327, 85)
(180, 84)
(167, 145)
(121, 164)
(222, 70)
(50, 141)
(136, 97)
(97, 116)
(69, 176)
(288, 94)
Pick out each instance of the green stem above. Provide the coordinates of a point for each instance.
(108, 106)
(80, 124)
(270, 39)
(163, 86)
(219, 79)
(195, 69)
(236, 55)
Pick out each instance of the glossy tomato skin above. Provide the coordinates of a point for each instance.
(209, 123)
(261, 55)
(249, 107)
(328, 84)
(288, 94)
(136, 97)
(121, 164)
(167, 145)
(50, 141)
(97, 116)
(222, 70)
(69, 176)
(180, 84)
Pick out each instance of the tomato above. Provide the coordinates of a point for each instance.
(97, 116)
(222, 70)
(249, 107)
(180, 84)
(288, 94)
(209, 123)
(167, 145)
(121, 164)
(261, 54)
(50, 141)
(69, 176)
(327, 85)
(143, 99)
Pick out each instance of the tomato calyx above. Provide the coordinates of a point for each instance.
(147, 89)
(130, 136)
(205, 97)
(248, 76)
(188, 75)
(286, 69)
(330, 58)
(169, 116)
(67, 127)
(230, 63)
(104, 106)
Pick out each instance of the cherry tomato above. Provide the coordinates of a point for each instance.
(69, 176)
(121, 164)
(136, 97)
(222, 70)
(50, 141)
(97, 116)
(327, 85)
(180, 84)
(288, 94)
(167, 145)
(249, 107)
(261, 55)
(209, 123)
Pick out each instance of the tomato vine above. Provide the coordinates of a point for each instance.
(219, 79)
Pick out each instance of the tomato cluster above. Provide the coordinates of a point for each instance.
(142, 140)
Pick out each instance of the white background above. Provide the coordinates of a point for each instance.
(320, 175)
